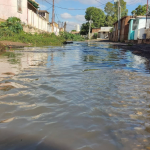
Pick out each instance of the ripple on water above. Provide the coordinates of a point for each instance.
(85, 96)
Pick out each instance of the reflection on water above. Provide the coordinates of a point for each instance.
(82, 96)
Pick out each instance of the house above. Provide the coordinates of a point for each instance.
(123, 31)
(138, 27)
(44, 13)
(103, 32)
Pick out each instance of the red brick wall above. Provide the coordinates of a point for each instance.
(95, 30)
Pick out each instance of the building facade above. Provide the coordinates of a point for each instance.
(123, 31)
(137, 27)
(27, 11)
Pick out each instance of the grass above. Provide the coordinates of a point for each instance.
(34, 39)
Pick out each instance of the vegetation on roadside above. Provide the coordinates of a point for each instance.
(12, 30)
(71, 37)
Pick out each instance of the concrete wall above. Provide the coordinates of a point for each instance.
(38, 22)
(8, 8)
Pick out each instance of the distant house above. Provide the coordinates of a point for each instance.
(104, 32)
(44, 13)
(137, 27)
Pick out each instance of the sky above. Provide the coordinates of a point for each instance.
(67, 12)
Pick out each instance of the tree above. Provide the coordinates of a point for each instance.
(112, 12)
(109, 9)
(140, 10)
(84, 29)
(124, 10)
(98, 16)
(109, 21)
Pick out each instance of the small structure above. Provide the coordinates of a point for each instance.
(137, 27)
(103, 32)
(44, 13)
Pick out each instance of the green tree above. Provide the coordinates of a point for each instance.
(109, 21)
(140, 10)
(84, 29)
(98, 16)
(112, 12)
(124, 10)
(109, 9)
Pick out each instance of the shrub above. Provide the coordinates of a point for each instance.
(12, 24)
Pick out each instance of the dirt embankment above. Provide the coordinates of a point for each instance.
(10, 44)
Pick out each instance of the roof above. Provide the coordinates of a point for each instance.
(105, 29)
(139, 17)
(121, 19)
(43, 11)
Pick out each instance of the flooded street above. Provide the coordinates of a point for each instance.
(83, 96)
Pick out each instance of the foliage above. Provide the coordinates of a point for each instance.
(112, 12)
(84, 29)
(109, 9)
(140, 10)
(34, 39)
(34, 4)
(124, 10)
(111, 30)
(12, 24)
(73, 31)
(95, 35)
(69, 36)
(98, 16)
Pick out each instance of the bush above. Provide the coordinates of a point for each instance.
(72, 37)
(95, 35)
(12, 24)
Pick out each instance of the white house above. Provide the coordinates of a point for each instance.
(103, 32)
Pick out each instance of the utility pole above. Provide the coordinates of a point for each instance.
(53, 13)
(65, 25)
(90, 22)
(119, 20)
(146, 14)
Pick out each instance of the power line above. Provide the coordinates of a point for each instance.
(73, 9)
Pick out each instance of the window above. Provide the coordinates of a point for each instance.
(19, 6)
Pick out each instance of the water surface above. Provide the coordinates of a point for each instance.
(84, 96)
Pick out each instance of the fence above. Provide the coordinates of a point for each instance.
(38, 22)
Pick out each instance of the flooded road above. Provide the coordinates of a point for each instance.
(84, 96)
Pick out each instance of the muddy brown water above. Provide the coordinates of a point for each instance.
(83, 96)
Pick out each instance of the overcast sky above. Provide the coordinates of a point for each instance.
(74, 17)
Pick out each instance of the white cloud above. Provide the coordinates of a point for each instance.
(66, 16)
